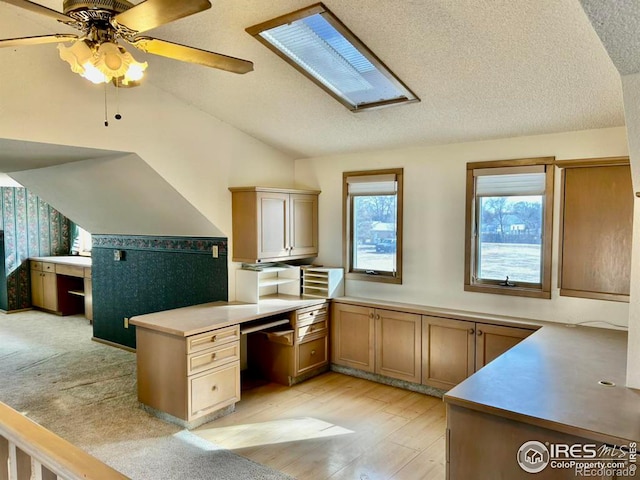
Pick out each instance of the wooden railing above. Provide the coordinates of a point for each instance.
(30, 451)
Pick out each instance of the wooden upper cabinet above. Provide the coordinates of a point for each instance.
(448, 349)
(597, 229)
(271, 224)
(494, 340)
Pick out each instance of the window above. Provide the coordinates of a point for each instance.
(322, 48)
(373, 225)
(81, 241)
(509, 223)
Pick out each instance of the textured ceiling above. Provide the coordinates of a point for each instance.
(482, 68)
(619, 30)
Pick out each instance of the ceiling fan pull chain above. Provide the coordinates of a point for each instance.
(106, 122)
(118, 116)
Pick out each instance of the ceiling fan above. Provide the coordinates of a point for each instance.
(96, 53)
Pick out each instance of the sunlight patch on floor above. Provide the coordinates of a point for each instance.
(266, 433)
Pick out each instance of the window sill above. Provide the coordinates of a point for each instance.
(514, 291)
(373, 278)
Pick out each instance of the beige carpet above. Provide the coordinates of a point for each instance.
(85, 392)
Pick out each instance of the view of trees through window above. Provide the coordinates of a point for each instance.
(510, 238)
(374, 232)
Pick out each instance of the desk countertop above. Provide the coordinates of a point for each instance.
(550, 379)
(201, 318)
(75, 260)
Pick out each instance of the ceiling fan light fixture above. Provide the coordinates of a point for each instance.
(103, 63)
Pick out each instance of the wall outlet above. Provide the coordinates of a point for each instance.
(214, 251)
(126, 322)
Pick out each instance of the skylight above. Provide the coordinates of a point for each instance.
(318, 45)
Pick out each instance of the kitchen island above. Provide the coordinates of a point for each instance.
(188, 359)
(562, 385)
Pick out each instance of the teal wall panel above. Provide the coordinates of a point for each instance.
(31, 228)
(156, 273)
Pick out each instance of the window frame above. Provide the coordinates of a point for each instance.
(473, 284)
(347, 230)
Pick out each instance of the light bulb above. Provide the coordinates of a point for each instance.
(94, 75)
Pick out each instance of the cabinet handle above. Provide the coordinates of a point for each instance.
(213, 339)
(313, 352)
(471, 331)
(213, 356)
(371, 315)
(479, 332)
(214, 388)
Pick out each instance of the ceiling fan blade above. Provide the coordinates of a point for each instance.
(153, 13)
(14, 42)
(34, 7)
(192, 55)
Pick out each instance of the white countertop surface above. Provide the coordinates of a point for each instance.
(75, 260)
(201, 318)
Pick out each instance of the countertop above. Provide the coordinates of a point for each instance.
(550, 379)
(201, 318)
(75, 260)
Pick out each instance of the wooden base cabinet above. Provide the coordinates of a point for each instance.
(452, 350)
(300, 350)
(377, 340)
(448, 351)
(190, 377)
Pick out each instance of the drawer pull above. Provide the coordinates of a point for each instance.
(313, 352)
(213, 339)
(213, 356)
(214, 388)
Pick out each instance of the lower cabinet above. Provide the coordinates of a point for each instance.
(190, 377)
(452, 350)
(294, 352)
(448, 351)
(438, 352)
(377, 340)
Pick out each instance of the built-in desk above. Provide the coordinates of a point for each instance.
(545, 389)
(188, 359)
(62, 284)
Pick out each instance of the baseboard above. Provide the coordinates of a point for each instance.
(374, 377)
(193, 423)
(113, 344)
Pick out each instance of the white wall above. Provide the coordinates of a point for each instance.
(631, 91)
(195, 153)
(434, 226)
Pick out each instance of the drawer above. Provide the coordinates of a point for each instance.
(214, 390)
(312, 354)
(216, 357)
(42, 266)
(319, 326)
(204, 341)
(308, 315)
(284, 337)
(70, 270)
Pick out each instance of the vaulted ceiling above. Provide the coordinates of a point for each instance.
(483, 69)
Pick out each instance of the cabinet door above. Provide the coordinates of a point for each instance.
(493, 340)
(50, 291)
(448, 348)
(273, 225)
(353, 336)
(398, 342)
(37, 289)
(304, 224)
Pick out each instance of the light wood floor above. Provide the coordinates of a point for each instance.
(337, 427)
